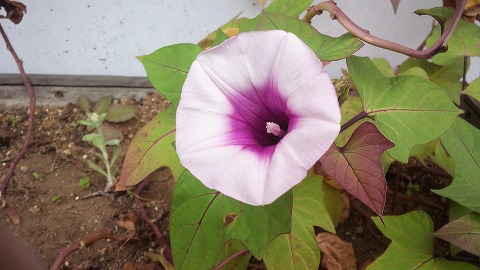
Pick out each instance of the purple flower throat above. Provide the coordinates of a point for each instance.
(260, 118)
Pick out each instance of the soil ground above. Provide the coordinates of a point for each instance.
(45, 194)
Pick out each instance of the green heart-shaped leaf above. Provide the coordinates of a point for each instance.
(167, 68)
(412, 244)
(408, 110)
(298, 249)
(326, 48)
(463, 42)
(462, 142)
(203, 220)
(288, 7)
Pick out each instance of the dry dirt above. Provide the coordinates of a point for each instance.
(45, 195)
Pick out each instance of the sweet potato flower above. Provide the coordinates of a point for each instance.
(256, 113)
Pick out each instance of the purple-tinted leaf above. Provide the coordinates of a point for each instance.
(463, 232)
(357, 168)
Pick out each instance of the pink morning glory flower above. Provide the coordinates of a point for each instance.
(256, 113)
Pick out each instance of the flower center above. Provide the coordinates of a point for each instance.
(274, 128)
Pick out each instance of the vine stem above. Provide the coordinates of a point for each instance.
(31, 116)
(368, 222)
(395, 190)
(62, 254)
(231, 258)
(364, 35)
(161, 241)
(352, 121)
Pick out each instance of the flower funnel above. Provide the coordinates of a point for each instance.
(256, 113)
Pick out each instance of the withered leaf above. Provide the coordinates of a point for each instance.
(13, 10)
(336, 254)
(463, 232)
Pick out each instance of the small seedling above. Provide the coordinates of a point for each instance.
(56, 198)
(114, 113)
(84, 183)
(98, 139)
(104, 136)
(37, 175)
(13, 120)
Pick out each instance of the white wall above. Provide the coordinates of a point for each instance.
(103, 37)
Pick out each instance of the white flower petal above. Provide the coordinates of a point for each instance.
(296, 153)
(244, 62)
(230, 94)
(202, 120)
(300, 79)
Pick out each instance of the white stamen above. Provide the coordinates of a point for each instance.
(275, 129)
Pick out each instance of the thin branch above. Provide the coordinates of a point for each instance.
(368, 222)
(395, 191)
(436, 172)
(161, 241)
(31, 116)
(231, 258)
(417, 199)
(364, 35)
(464, 75)
(62, 254)
(352, 121)
(374, 234)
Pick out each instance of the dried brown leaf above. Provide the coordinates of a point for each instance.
(12, 215)
(336, 253)
(13, 10)
(471, 11)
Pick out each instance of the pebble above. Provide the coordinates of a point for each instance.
(34, 210)
(359, 230)
(23, 168)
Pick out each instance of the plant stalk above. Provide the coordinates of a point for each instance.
(364, 35)
(31, 115)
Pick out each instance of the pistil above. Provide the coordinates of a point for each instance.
(274, 128)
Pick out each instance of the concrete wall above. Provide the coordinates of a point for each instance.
(90, 37)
